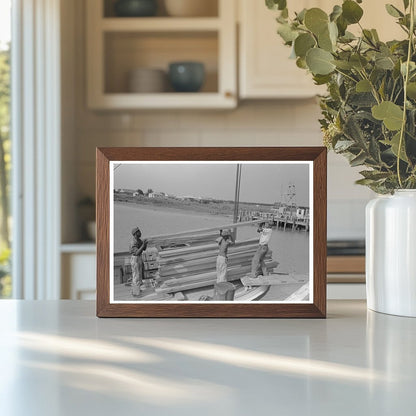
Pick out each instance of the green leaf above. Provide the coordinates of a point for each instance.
(301, 15)
(320, 61)
(343, 145)
(388, 112)
(362, 99)
(325, 42)
(342, 25)
(316, 20)
(358, 61)
(365, 182)
(344, 65)
(393, 11)
(347, 37)
(276, 4)
(412, 67)
(336, 12)
(396, 70)
(374, 150)
(321, 79)
(303, 43)
(368, 36)
(375, 35)
(374, 175)
(287, 33)
(382, 89)
(354, 132)
(333, 32)
(377, 75)
(351, 11)
(358, 160)
(411, 90)
(301, 63)
(363, 86)
(394, 145)
(384, 62)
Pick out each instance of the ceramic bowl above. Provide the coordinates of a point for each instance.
(135, 8)
(186, 76)
(147, 80)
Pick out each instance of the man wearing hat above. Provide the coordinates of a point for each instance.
(224, 241)
(137, 247)
(258, 266)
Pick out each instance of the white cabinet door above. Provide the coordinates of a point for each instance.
(376, 17)
(78, 276)
(265, 68)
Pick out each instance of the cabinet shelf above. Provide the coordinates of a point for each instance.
(198, 100)
(160, 24)
(116, 46)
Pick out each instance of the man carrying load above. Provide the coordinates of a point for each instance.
(258, 266)
(224, 241)
(137, 247)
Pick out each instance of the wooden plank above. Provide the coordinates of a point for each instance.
(274, 279)
(211, 259)
(181, 271)
(185, 272)
(301, 294)
(253, 294)
(183, 239)
(207, 254)
(187, 250)
(202, 230)
(203, 265)
(202, 280)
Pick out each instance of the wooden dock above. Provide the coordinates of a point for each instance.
(182, 266)
(288, 221)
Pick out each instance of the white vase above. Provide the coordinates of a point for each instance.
(391, 253)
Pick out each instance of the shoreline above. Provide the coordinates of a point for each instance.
(181, 210)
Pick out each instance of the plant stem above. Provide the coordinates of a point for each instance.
(406, 80)
(373, 88)
(346, 75)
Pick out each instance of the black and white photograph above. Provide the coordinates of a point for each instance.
(211, 232)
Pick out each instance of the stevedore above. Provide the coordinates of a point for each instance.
(137, 247)
(224, 241)
(258, 266)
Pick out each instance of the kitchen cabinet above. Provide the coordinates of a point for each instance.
(78, 263)
(118, 45)
(265, 70)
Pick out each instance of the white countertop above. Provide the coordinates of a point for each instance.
(57, 358)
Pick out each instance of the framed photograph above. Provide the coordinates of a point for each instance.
(211, 232)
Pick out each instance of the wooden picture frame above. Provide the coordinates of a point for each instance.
(315, 157)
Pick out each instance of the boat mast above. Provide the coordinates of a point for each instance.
(237, 197)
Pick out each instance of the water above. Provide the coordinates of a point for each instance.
(290, 249)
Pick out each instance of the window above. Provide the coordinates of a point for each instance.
(5, 147)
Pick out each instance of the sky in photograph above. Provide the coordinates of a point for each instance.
(263, 183)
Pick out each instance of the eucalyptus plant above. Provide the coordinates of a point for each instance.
(369, 112)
